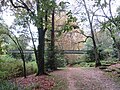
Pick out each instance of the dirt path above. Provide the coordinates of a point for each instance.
(88, 79)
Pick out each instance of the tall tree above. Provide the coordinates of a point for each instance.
(5, 31)
(111, 22)
(38, 16)
(52, 44)
(90, 18)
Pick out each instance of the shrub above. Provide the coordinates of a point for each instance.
(31, 67)
(6, 85)
(59, 59)
(90, 56)
(9, 67)
(28, 57)
(103, 54)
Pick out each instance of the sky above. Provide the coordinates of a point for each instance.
(72, 6)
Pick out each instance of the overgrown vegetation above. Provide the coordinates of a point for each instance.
(11, 68)
(6, 85)
(59, 60)
(86, 61)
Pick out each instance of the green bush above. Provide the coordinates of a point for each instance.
(9, 67)
(31, 67)
(57, 59)
(6, 85)
(3, 74)
(103, 54)
(60, 60)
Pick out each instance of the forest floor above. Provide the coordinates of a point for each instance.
(88, 79)
(75, 78)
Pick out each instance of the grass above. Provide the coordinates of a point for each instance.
(60, 83)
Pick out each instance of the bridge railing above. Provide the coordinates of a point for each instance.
(64, 51)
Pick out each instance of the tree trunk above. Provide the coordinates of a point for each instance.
(24, 67)
(52, 57)
(97, 59)
(21, 53)
(40, 61)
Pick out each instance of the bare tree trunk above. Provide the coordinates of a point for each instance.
(97, 60)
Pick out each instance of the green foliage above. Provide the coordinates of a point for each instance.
(109, 61)
(104, 44)
(28, 57)
(3, 74)
(10, 67)
(3, 37)
(85, 62)
(60, 60)
(103, 54)
(3, 28)
(31, 67)
(58, 57)
(70, 19)
(63, 5)
(6, 85)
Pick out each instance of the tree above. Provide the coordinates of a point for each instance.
(90, 18)
(111, 22)
(37, 15)
(113, 34)
(5, 31)
(51, 57)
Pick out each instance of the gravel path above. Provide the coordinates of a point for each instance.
(88, 79)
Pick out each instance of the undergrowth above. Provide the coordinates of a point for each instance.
(60, 83)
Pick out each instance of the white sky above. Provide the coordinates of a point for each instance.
(9, 18)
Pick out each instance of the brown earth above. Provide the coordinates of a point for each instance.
(77, 79)
(88, 79)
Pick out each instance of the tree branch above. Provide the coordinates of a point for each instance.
(112, 20)
(27, 8)
(24, 6)
(11, 1)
